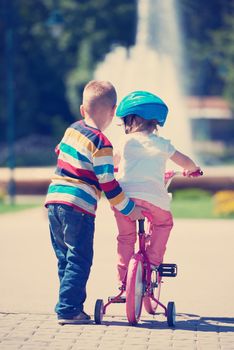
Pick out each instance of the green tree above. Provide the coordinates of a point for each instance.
(223, 56)
(50, 73)
(199, 19)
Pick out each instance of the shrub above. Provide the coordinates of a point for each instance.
(191, 193)
(224, 203)
(2, 195)
(34, 150)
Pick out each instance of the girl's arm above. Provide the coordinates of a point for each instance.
(185, 162)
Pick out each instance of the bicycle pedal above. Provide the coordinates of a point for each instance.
(119, 300)
(154, 284)
(123, 287)
(167, 270)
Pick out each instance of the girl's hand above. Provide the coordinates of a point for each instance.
(196, 171)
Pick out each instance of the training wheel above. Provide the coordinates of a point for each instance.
(171, 314)
(98, 311)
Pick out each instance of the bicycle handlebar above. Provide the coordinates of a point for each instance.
(170, 174)
(168, 177)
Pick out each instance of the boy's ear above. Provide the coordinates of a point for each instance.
(114, 109)
(82, 110)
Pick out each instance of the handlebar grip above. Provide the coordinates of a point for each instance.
(141, 226)
(197, 173)
(194, 174)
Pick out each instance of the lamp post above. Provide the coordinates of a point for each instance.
(55, 21)
(10, 100)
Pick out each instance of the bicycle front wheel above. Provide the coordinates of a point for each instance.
(134, 290)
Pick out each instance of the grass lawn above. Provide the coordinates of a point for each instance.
(186, 204)
(196, 209)
(195, 204)
(7, 208)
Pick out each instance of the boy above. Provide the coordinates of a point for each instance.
(84, 169)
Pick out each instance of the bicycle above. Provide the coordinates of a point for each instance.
(143, 283)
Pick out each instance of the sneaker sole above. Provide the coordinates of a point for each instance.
(63, 322)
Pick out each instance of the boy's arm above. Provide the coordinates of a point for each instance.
(57, 150)
(116, 159)
(184, 161)
(104, 169)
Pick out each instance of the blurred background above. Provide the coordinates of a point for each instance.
(182, 50)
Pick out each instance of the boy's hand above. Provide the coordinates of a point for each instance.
(136, 214)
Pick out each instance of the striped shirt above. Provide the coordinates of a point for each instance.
(85, 169)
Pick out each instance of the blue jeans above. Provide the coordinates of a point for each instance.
(72, 239)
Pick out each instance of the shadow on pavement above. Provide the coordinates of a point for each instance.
(186, 322)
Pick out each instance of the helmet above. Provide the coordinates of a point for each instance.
(145, 105)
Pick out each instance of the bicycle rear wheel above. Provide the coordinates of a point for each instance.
(134, 290)
(150, 304)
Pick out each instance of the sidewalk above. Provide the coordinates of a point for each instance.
(37, 332)
(203, 289)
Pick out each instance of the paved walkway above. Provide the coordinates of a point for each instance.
(203, 289)
(36, 332)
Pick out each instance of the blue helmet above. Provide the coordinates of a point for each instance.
(145, 105)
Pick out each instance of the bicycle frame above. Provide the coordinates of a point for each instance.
(167, 270)
(141, 255)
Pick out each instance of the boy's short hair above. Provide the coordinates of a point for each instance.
(98, 92)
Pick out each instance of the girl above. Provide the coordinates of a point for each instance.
(142, 167)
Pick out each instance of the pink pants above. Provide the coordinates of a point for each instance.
(159, 230)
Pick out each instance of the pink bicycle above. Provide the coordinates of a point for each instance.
(143, 283)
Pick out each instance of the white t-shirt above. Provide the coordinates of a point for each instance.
(142, 167)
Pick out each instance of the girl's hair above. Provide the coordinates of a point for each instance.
(134, 123)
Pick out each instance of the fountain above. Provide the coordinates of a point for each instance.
(153, 64)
